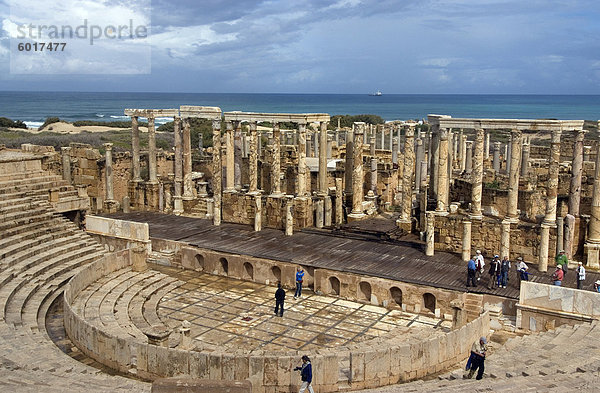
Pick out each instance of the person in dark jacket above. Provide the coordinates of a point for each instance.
(471, 269)
(305, 375)
(279, 299)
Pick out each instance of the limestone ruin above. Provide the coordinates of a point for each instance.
(175, 272)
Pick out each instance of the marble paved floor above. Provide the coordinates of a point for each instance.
(239, 315)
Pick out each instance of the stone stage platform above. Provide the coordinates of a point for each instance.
(402, 260)
(238, 315)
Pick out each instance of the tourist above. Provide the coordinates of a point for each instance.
(471, 271)
(279, 299)
(597, 286)
(478, 350)
(561, 259)
(558, 275)
(522, 270)
(299, 279)
(494, 272)
(305, 375)
(504, 269)
(580, 275)
(480, 262)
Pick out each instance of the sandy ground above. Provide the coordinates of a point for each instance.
(68, 128)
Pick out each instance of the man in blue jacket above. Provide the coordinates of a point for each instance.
(471, 271)
(305, 375)
(299, 280)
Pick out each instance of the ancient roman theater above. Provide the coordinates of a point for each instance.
(149, 269)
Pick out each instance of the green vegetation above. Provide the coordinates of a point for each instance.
(198, 127)
(493, 185)
(120, 138)
(113, 124)
(49, 120)
(347, 120)
(6, 122)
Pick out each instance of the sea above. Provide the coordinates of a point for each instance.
(34, 107)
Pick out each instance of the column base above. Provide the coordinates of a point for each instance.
(404, 224)
(511, 220)
(178, 206)
(441, 213)
(476, 216)
(110, 206)
(593, 255)
(254, 193)
(356, 216)
(276, 195)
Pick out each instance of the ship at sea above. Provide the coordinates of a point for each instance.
(377, 93)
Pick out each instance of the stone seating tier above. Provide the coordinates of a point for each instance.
(39, 252)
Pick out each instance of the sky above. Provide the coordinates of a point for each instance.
(310, 46)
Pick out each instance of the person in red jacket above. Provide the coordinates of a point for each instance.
(558, 275)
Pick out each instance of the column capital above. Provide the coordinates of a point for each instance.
(229, 125)
(580, 135)
(65, 150)
(515, 133)
(107, 146)
(410, 131)
(556, 134)
(252, 126)
(216, 125)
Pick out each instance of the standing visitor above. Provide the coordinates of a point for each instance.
(471, 271)
(279, 299)
(597, 286)
(299, 279)
(522, 269)
(478, 350)
(561, 259)
(494, 272)
(305, 375)
(480, 262)
(504, 269)
(580, 275)
(558, 276)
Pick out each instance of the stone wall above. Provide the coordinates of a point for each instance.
(118, 234)
(543, 307)
(381, 364)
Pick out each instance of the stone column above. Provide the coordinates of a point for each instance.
(229, 159)
(544, 245)
(434, 160)
(442, 184)
(301, 160)
(395, 152)
(374, 175)
(560, 234)
(552, 190)
(276, 167)
(217, 170)
(109, 193)
(327, 210)
(237, 152)
(496, 158)
(466, 240)
(419, 156)
(135, 147)
(430, 245)
(339, 209)
(138, 256)
(576, 174)
(505, 239)
(407, 176)
(329, 147)
(463, 151)
(323, 159)
(66, 163)
(525, 158)
(319, 213)
(289, 218)
(372, 147)
(188, 184)
(469, 158)
(178, 205)
(423, 171)
(253, 160)
(477, 175)
(257, 212)
(587, 151)
(151, 150)
(569, 235)
(316, 144)
(357, 172)
(486, 149)
(508, 155)
(391, 139)
(513, 176)
(592, 243)
(349, 164)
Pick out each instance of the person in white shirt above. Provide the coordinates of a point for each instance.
(480, 263)
(580, 275)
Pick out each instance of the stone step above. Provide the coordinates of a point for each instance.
(56, 276)
(27, 178)
(32, 187)
(16, 176)
(69, 258)
(38, 215)
(13, 239)
(150, 307)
